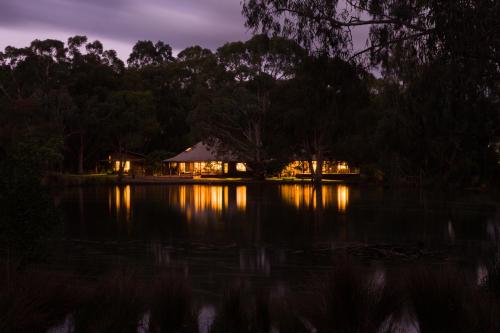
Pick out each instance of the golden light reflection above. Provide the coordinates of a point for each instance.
(126, 201)
(117, 200)
(241, 197)
(110, 201)
(342, 198)
(307, 196)
(122, 201)
(199, 201)
(299, 196)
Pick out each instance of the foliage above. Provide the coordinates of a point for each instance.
(321, 107)
(235, 110)
(145, 53)
(440, 59)
(303, 92)
(28, 213)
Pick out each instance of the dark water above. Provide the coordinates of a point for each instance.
(272, 233)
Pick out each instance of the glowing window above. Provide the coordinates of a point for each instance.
(126, 167)
(241, 167)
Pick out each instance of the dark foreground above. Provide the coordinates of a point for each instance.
(346, 299)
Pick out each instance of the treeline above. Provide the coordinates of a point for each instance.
(269, 100)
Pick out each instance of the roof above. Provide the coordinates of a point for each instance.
(202, 152)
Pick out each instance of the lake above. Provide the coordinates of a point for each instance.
(271, 233)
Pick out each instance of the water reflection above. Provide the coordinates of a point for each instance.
(481, 274)
(241, 197)
(342, 198)
(257, 261)
(309, 196)
(122, 201)
(451, 231)
(205, 200)
(206, 318)
(276, 231)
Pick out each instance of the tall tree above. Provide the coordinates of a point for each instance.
(320, 108)
(94, 74)
(33, 97)
(410, 40)
(235, 111)
(132, 121)
(145, 53)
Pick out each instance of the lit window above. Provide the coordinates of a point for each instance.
(241, 167)
(343, 167)
(126, 167)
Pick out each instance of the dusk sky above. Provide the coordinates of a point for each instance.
(120, 23)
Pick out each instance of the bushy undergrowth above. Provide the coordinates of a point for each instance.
(347, 299)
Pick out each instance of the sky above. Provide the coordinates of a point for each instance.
(120, 23)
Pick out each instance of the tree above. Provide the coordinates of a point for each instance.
(145, 53)
(132, 121)
(321, 107)
(422, 26)
(235, 110)
(408, 40)
(94, 75)
(34, 98)
(437, 129)
(28, 213)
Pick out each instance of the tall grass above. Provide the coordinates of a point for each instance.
(347, 300)
(445, 301)
(33, 302)
(350, 298)
(114, 304)
(171, 307)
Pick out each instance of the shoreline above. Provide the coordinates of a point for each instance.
(69, 180)
(74, 180)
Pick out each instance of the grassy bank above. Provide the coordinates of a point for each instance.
(61, 180)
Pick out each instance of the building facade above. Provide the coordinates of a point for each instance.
(204, 160)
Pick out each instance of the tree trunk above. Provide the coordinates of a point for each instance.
(80, 156)
(316, 174)
(121, 164)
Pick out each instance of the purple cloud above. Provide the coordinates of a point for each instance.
(209, 23)
(120, 23)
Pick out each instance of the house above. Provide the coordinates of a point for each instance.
(133, 163)
(330, 169)
(204, 160)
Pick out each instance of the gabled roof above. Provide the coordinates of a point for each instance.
(201, 152)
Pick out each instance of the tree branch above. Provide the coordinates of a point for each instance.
(394, 41)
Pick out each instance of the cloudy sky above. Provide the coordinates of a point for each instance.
(120, 23)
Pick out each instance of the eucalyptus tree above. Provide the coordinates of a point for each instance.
(95, 73)
(33, 98)
(132, 121)
(450, 45)
(145, 53)
(235, 110)
(152, 68)
(321, 107)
